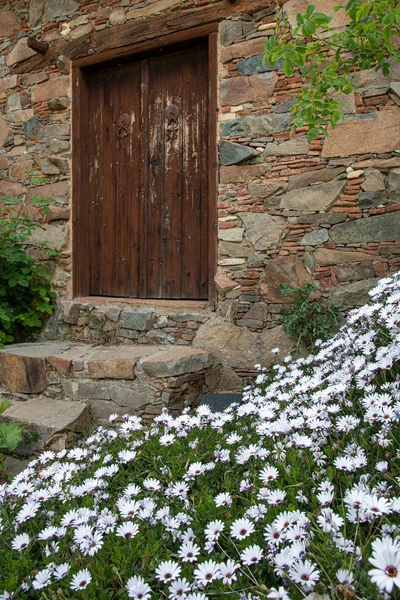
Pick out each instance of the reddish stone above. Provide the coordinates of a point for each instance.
(54, 88)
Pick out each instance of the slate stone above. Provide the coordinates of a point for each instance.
(322, 218)
(374, 181)
(382, 228)
(84, 389)
(368, 200)
(263, 230)
(272, 123)
(394, 185)
(315, 238)
(255, 88)
(59, 8)
(134, 395)
(235, 250)
(254, 64)
(325, 257)
(298, 145)
(223, 283)
(218, 402)
(235, 234)
(176, 361)
(354, 272)
(267, 188)
(351, 295)
(278, 271)
(50, 414)
(19, 53)
(318, 197)
(230, 31)
(232, 154)
(139, 320)
(284, 107)
(4, 131)
(54, 236)
(376, 135)
(113, 362)
(238, 347)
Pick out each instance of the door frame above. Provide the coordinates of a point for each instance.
(80, 218)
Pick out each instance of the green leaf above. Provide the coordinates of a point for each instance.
(309, 28)
(288, 67)
(10, 436)
(299, 19)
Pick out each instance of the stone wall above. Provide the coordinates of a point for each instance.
(326, 212)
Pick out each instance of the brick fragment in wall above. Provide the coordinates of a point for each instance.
(378, 134)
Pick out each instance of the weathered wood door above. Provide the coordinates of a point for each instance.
(147, 199)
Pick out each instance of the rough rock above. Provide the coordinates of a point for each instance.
(57, 192)
(58, 104)
(278, 271)
(298, 145)
(134, 395)
(176, 361)
(50, 414)
(56, 87)
(86, 389)
(238, 347)
(237, 90)
(112, 363)
(235, 250)
(7, 83)
(19, 53)
(150, 9)
(322, 218)
(394, 185)
(242, 173)
(326, 258)
(255, 64)
(354, 272)
(351, 295)
(4, 130)
(231, 31)
(117, 16)
(369, 200)
(243, 49)
(63, 361)
(232, 154)
(271, 123)
(23, 366)
(263, 230)
(382, 228)
(374, 181)
(139, 320)
(33, 128)
(377, 134)
(371, 78)
(258, 311)
(8, 188)
(266, 188)
(231, 235)
(59, 8)
(54, 236)
(8, 24)
(223, 283)
(229, 380)
(318, 197)
(379, 163)
(326, 6)
(315, 238)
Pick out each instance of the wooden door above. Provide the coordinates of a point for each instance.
(147, 199)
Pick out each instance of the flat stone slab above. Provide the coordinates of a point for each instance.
(176, 361)
(217, 402)
(50, 414)
(117, 362)
(23, 366)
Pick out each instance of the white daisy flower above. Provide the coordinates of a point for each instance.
(80, 580)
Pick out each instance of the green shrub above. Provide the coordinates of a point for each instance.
(307, 320)
(25, 293)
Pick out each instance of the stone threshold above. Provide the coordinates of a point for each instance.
(198, 304)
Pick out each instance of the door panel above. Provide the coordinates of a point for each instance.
(148, 190)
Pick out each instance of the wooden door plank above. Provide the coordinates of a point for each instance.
(143, 190)
(106, 256)
(213, 165)
(127, 174)
(173, 179)
(94, 203)
(156, 169)
(195, 200)
(80, 214)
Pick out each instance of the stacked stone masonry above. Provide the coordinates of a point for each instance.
(325, 212)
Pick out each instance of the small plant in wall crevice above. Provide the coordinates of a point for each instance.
(307, 320)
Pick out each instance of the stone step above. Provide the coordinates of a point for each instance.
(138, 379)
(217, 402)
(58, 423)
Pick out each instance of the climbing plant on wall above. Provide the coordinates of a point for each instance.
(327, 58)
